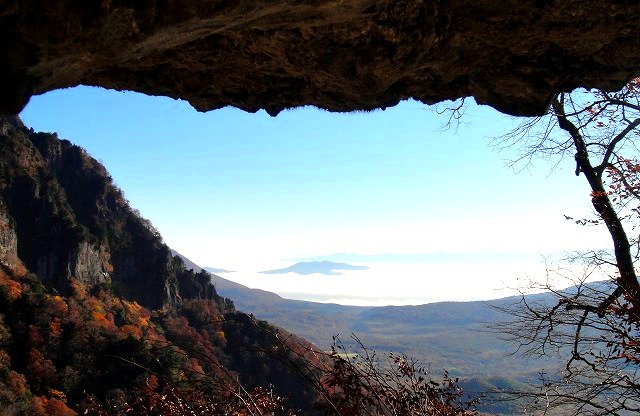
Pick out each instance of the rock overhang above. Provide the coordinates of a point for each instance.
(336, 55)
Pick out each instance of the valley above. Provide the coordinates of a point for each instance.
(452, 336)
(445, 335)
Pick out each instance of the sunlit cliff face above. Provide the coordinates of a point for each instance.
(341, 56)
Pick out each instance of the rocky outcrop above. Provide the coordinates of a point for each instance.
(337, 55)
(90, 265)
(62, 218)
(8, 240)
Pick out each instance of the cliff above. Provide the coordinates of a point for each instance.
(63, 217)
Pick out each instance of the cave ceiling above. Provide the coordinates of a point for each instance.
(337, 55)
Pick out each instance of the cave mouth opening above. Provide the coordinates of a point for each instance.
(247, 192)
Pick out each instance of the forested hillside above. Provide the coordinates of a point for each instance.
(97, 316)
(452, 336)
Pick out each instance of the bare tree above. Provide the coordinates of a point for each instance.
(360, 384)
(596, 327)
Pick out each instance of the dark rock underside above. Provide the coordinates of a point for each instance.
(337, 55)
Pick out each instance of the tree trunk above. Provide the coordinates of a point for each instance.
(627, 280)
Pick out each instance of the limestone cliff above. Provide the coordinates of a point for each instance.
(338, 55)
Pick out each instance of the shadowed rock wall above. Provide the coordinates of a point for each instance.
(62, 218)
(338, 55)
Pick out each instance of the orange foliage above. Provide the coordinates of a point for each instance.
(108, 267)
(136, 313)
(43, 406)
(132, 308)
(40, 370)
(94, 304)
(10, 286)
(74, 313)
(54, 327)
(17, 383)
(143, 321)
(58, 306)
(79, 290)
(151, 384)
(149, 392)
(18, 268)
(103, 320)
(14, 264)
(57, 394)
(130, 330)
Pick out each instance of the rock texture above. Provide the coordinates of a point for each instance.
(8, 240)
(89, 264)
(337, 55)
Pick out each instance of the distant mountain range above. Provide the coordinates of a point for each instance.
(328, 268)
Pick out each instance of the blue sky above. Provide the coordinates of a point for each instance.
(241, 191)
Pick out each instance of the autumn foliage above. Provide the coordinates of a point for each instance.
(95, 353)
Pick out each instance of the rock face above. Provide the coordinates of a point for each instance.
(62, 218)
(89, 264)
(8, 240)
(337, 55)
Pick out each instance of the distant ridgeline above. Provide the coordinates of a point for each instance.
(316, 267)
(95, 311)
